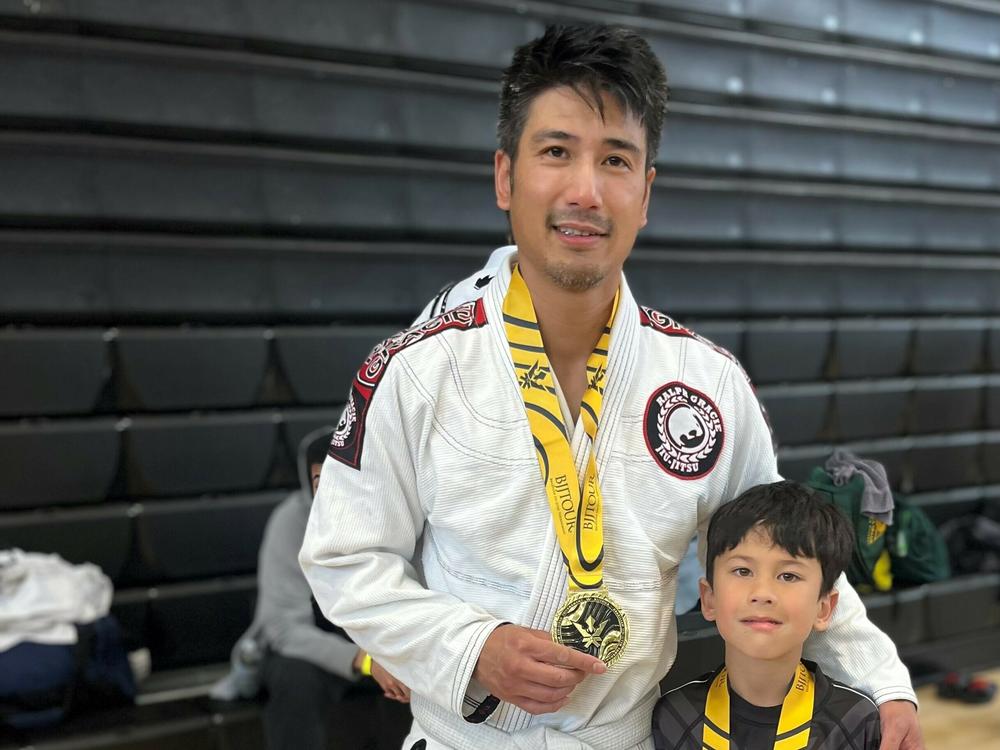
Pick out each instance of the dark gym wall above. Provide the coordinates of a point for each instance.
(209, 212)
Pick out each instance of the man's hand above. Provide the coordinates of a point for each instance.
(391, 687)
(900, 728)
(524, 667)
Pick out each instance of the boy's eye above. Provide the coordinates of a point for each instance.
(788, 577)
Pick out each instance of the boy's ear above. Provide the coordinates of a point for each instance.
(707, 599)
(827, 603)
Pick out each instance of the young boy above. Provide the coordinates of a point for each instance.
(774, 554)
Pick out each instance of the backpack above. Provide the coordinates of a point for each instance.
(910, 551)
(42, 684)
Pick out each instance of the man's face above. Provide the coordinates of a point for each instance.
(764, 600)
(578, 190)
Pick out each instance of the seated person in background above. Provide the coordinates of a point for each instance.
(318, 694)
(774, 554)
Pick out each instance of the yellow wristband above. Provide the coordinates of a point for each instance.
(366, 666)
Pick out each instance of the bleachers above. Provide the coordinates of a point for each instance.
(212, 210)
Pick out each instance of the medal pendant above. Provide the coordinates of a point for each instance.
(591, 622)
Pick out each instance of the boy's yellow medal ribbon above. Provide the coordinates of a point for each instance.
(589, 620)
(793, 724)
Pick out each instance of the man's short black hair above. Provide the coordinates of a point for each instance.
(794, 518)
(590, 60)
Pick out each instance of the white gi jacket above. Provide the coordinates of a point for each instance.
(435, 447)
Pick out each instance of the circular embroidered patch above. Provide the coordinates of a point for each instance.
(683, 430)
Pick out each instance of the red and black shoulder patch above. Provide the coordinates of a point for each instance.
(348, 439)
(663, 323)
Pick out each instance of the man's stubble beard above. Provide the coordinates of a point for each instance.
(562, 273)
(565, 276)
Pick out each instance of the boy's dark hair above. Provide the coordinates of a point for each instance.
(590, 60)
(794, 517)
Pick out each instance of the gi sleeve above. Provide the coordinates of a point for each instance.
(358, 550)
(752, 461)
(855, 652)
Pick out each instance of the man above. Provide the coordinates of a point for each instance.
(318, 696)
(553, 447)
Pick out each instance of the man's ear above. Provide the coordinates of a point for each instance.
(501, 178)
(707, 599)
(650, 176)
(827, 604)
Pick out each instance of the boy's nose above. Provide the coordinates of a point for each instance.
(761, 595)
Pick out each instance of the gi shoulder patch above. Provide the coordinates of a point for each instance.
(663, 323)
(348, 439)
(683, 430)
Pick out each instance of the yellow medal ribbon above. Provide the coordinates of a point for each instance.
(577, 514)
(589, 620)
(793, 724)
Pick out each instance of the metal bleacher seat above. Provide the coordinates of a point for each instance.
(949, 346)
(186, 455)
(798, 413)
(297, 423)
(191, 539)
(867, 348)
(798, 462)
(727, 334)
(874, 409)
(320, 362)
(792, 350)
(358, 282)
(175, 368)
(944, 461)
(60, 371)
(991, 456)
(101, 535)
(947, 404)
(948, 504)
(991, 394)
(58, 463)
(187, 623)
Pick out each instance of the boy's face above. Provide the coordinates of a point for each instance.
(764, 601)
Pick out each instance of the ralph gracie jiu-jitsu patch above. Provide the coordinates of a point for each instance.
(683, 430)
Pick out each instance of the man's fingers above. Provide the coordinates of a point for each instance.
(563, 656)
(552, 676)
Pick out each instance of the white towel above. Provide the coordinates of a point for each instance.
(42, 596)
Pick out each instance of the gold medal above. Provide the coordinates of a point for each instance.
(592, 622)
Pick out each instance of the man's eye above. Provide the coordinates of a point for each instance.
(617, 161)
(743, 572)
(556, 151)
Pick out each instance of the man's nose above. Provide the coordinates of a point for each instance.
(584, 189)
